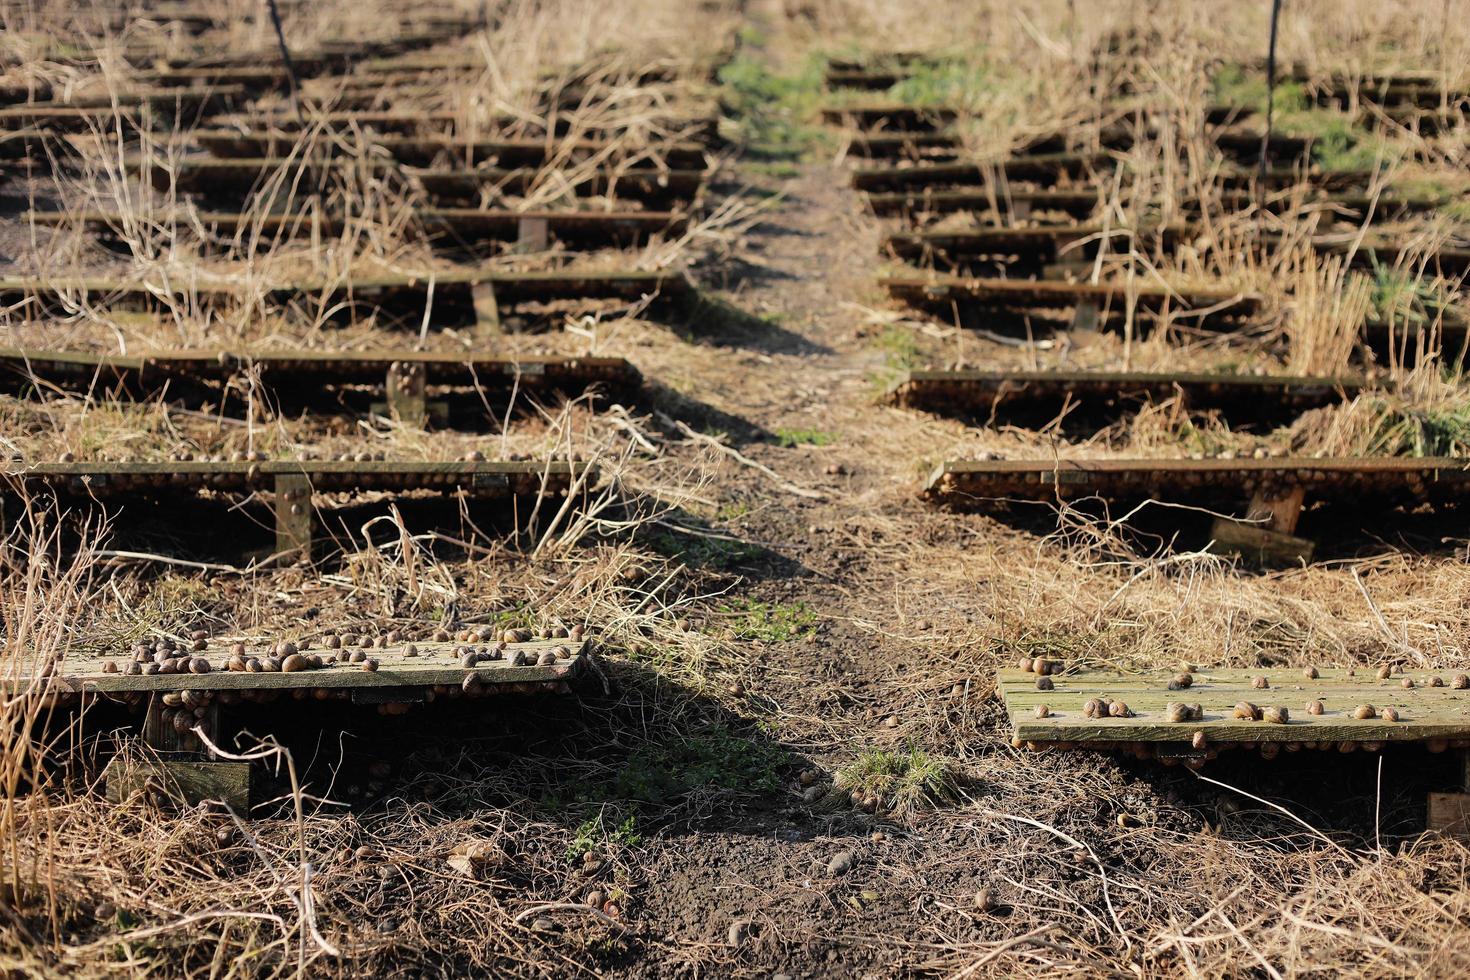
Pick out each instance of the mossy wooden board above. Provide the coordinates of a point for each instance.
(436, 664)
(1425, 712)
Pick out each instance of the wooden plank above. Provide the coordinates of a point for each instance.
(1043, 168)
(281, 371)
(292, 506)
(943, 291)
(1259, 546)
(426, 149)
(1036, 242)
(444, 226)
(969, 483)
(1449, 814)
(435, 663)
(460, 184)
(1009, 392)
(193, 781)
(1424, 712)
(898, 116)
(1084, 202)
(477, 479)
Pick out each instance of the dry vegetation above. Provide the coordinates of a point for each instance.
(790, 758)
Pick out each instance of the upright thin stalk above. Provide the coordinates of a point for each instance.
(1270, 101)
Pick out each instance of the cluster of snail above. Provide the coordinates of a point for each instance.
(168, 656)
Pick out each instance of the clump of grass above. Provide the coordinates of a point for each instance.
(943, 83)
(1329, 309)
(791, 438)
(901, 782)
(772, 622)
(772, 112)
(1234, 85)
(595, 834)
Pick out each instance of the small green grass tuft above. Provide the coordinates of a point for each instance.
(943, 83)
(902, 782)
(771, 622)
(594, 834)
(791, 438)
(772, 113)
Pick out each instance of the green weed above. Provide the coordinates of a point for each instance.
(791, 438)
(944, 83)
(771, 622)
(594, 835)
(902, 781)
(770, 112)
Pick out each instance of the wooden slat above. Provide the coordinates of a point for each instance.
(1424, 712)
(426, 149)
(436, 664)
(311, 367)
(938, 290)
(998, 392)
(467, 184)
(479, 479)
(446, 225)
(978, 483)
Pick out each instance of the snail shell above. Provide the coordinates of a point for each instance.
(1315, 707)
(1199, 741)
(1246, 711)
(1177, 713)
(1042, 683)
(1390, 714)
(293, 663)
(1407, 682)
(1276, 715)
(1384, 672)
(1310, 673)
(1364, 711)
(546, 659)
(1460, 682)
(1118, 709)
(1260, 683)
(1042, 711)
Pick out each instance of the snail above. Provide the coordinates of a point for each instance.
(294, 662)
(1093, 708)
(1181, 681)
(1118, 709)
(286, 649)
(1436, 681)
(199, 665)
(1177, 713)
(1260, 683)
(1384, 672)
(546, 659)
(1276, 715)
(1246, 711)
(1042, 683)
(576, 632)
(370, 664)
(412, 651)
(1390, 714)
(1199, 741)
(1043, 711)
(332, 641)
(1310, 673)
(1364, 711)
(109, 667)
(1043, 667)
(1315, 707)
(469, 660)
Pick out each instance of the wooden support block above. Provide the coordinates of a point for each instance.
(487, 310)
(1021, 210)
(1084, 317)
(1259, 545)
(532, 235)
(405, 393)
(293, 514)
(1281, 512)
(160, 734)
(1449, 814)
(192, 780)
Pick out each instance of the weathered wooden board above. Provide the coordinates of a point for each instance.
(435, 663)
(442, 225)
(478, 479)
(982, 482)
(689, 125)
(195, 781)
(83, 112)
(425, 149)
(468, 184)
(896, 116)
(26, 369)
(1041, 168)
(1425, 713)
(1001, 392)
(1084, 202)
(34, 295)
(1036, 241)
(942, 291)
